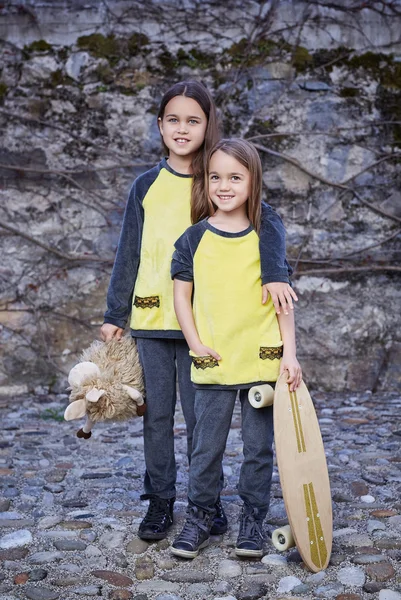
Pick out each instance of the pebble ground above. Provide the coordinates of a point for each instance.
(70, 509)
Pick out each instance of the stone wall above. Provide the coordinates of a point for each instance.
(317, 89)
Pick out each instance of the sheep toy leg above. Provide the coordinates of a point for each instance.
(86, 431)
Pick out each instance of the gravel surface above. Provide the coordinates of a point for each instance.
(70, 509)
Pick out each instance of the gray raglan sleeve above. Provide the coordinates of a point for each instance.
(274, 265)
(182, 264)
(125, 269)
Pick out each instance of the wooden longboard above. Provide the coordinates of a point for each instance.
(303, 473)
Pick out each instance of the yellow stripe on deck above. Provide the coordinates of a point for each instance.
(316, 538)
(297, 422)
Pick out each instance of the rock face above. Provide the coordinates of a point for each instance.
(77, 121)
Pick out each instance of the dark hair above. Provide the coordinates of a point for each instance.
(198, 92)
(246, 154)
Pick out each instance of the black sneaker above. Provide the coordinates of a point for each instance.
(194, 535)
(250, 536)
(219, 523)
(158, 519)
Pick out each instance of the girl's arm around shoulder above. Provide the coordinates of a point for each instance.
(289, 362)
(275, 269)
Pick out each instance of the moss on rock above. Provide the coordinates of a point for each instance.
(370, 61)
(112, 48)
(138, 44)
(349, 92)
(168, 61)
(381, 67)
(56, 78)
(250, 54)
(193, 58)
(38, 46)
(3, 91)
(100, 46)
(301, 59)
(202, 60)
(105, 73)
(391, 76)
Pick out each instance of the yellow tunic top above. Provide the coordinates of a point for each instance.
(153, 306)
(227, 305)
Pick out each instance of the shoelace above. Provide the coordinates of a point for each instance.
(219, 510)
(189, 532)
(250, 528)
(157, 511)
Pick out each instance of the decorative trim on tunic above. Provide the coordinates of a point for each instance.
(149, 302)
(204, 362)
(270, 353)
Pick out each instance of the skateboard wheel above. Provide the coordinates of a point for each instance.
(283, 539)
(260, 396)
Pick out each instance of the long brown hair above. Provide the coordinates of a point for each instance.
(246, 154)
(198, 92)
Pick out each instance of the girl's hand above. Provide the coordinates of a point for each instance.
(202, 350)
(109, 332)
(290, 364)
(282, 296)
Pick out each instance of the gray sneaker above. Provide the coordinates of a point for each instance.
(194, 535)
(250, 536)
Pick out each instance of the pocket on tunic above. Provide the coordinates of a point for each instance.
(269, 361)
(203, 370)
(147, 313)
(147, 302)
(271, 352)
(203, 362)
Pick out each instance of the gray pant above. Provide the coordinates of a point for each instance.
(162, 360)
(213, 411)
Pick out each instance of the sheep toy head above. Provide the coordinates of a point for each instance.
(106, 385)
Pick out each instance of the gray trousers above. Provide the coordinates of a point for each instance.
(213, 411)
(162, 360)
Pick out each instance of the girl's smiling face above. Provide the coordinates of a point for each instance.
(183, 126)
(229, 183)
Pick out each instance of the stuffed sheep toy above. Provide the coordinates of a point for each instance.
(107, 384)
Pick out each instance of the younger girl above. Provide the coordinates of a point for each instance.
(235, 342)
(157, 213)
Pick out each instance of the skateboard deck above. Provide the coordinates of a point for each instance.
(303, 474)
